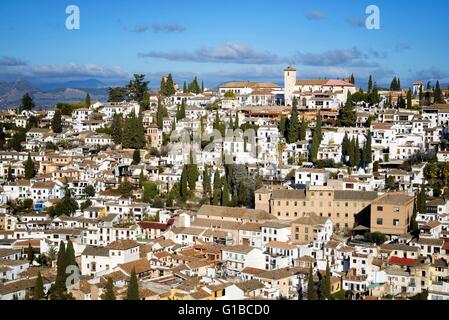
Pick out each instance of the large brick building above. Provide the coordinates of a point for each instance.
(341, 206)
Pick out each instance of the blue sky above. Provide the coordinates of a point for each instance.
(223, 40)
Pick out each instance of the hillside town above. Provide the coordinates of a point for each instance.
(306, 190)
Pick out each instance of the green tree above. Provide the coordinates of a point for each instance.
(89, 191)
(293, 123)
(87, 100)
(133, 287)
(109, 291)
(133, 133)
(30, 171)
(348, 116)
(30, 254)
(345, 145)
(184, 192)
(16, 141)
(352, 79)
(137, 88)
(225, 202)
(161, 113)
(370, 84)
(136, 157)
(206, 181)
(243, 193)
(351, 153)
(169, 85)
(9, 177)
(303, 129)
(59, 288)
(149, 192)
(367, 149)
(192, 172)
(56, 123)
(314, 148)
(438, 94)
(311, 292)
(357, 156)
(117, 94)
(409, 99)
(39, 293)
(70, 254)
(117, 129)
(422, 200)
(27, 103)
(325, 284)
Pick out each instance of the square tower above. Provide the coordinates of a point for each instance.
(289, 84)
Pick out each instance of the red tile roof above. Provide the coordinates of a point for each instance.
(403, 261)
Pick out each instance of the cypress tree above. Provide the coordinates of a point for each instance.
(136, 157)
(29, 168)
(438, 94)
(311, 292)
(348, 115)
(30, 254)
(59, 287)
(368, 154)
(283, 126)
(70, 254)
(39, 293)
(357, 156)
(345, 145)
(217, 188)
(217, 180)
(318, 129)
(161, 113)
(352, 79)
(109, 292)
(117, 129)
(303, 129)
(184, 87)
(325, 285)
(184, 193)
(27, 103)
(56, 122)
(236, 122)
(225, 202)
(293, 124)
(420, 96)
(243, 193)
(409, 99)
(133, 287)
(206, 181)
(87, 100)
(413, 224)
(10, 177)
(163, 88)
(169, 86)
(351, 153)
(394, 84)
(192, 172)
(182, 110)
(422, 200)
(314, 148)
(370, 84)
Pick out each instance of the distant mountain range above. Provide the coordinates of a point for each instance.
(48, 95)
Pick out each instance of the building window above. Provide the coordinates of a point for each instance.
(396, 222)
(379, 208)
(379, 221)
